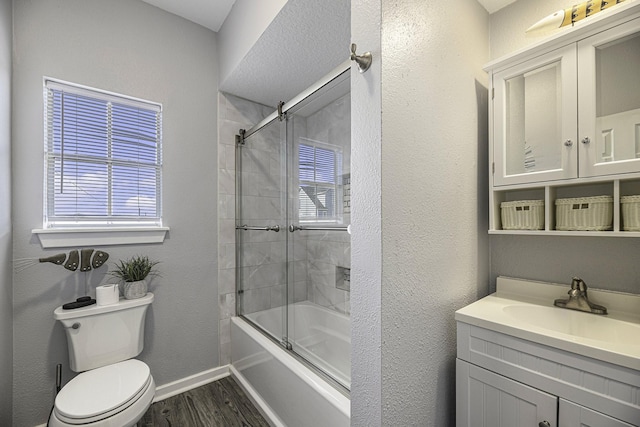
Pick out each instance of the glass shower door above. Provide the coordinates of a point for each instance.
(293, 251)
(319, 140)
(261, 236)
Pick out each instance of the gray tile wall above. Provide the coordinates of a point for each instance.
(233, 114)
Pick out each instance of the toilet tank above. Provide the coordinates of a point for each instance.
(101, 335)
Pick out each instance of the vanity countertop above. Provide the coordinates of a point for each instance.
(524, 309)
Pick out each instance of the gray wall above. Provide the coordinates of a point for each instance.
(133, 48)
(433, 214)
(431, 159)
(366, 218)
(603, 262)
(6, 288)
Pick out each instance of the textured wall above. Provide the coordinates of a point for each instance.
(133, 48)
(236, 38)
(6, 276)
(305, 40)
(433, 213)
(366, 237)
(607, 263)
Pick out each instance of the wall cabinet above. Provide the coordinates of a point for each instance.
(503, 381)
(566, 113)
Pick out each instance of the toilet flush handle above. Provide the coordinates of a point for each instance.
(74, 326)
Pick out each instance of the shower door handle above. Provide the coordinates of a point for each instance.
(293, 228)
(245, 227)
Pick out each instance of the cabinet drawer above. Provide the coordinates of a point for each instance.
(602, 386)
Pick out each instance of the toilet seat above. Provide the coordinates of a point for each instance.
(104, 392)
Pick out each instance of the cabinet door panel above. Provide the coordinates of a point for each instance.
(609, 101)
(572, 415)
(534, 117)
(486, 399)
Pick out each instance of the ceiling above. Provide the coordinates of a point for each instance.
(208, 13)
(212, 13)
(495, 5)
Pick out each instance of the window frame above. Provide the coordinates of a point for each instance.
(108, 229)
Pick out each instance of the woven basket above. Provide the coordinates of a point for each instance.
(630, 208)
(522, 215)
(585, 213)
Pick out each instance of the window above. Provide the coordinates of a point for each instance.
(320, 168)
(103, 161)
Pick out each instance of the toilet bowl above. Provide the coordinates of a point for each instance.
(112, 389)
(114, 395)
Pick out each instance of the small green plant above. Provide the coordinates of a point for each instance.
(135, 269)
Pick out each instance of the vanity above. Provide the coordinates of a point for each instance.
(521, 361)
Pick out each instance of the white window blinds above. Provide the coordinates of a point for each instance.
(103, 158)
(319, 175)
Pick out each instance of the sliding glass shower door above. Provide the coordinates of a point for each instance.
(293, 211)
(261, 235)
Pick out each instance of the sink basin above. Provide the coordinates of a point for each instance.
(524, 309)
(576, 323)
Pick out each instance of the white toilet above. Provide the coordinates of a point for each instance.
(113, 389)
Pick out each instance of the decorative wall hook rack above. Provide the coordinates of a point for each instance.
(363, 61)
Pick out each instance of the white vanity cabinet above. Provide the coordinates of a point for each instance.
(503, 381)
(571, 415)
(565, 116)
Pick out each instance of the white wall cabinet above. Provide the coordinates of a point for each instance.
(503, 381)
(565, 118)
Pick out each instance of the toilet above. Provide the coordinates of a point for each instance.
(113, 389)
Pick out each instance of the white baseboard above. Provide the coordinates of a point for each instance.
(180, 386)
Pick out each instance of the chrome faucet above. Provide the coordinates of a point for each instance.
(578, 299)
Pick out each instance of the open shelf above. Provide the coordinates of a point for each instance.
(551, 191)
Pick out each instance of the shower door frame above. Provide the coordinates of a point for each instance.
(281, 115)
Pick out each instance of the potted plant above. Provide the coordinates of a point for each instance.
(133, 273)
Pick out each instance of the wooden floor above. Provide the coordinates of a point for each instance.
(221, 403)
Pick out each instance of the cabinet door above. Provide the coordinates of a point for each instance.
(486, 399)
(535, 119)
(572, 415)
(609, 101)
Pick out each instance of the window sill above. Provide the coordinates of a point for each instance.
(64, 238)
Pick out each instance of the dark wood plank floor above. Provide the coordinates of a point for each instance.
(221, 403)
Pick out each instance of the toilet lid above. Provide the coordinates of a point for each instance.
(101, 390)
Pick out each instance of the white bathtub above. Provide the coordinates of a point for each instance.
(289, 393)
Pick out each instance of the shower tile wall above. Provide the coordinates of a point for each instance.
(234, 114)
(264, 260)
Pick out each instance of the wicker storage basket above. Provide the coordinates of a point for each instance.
(585, 213)
(630, 208)
(522, 215)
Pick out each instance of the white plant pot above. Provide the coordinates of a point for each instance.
(133, 290)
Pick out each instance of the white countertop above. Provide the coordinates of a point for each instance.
(524, 309)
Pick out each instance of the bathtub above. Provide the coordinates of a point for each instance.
(287, 391)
